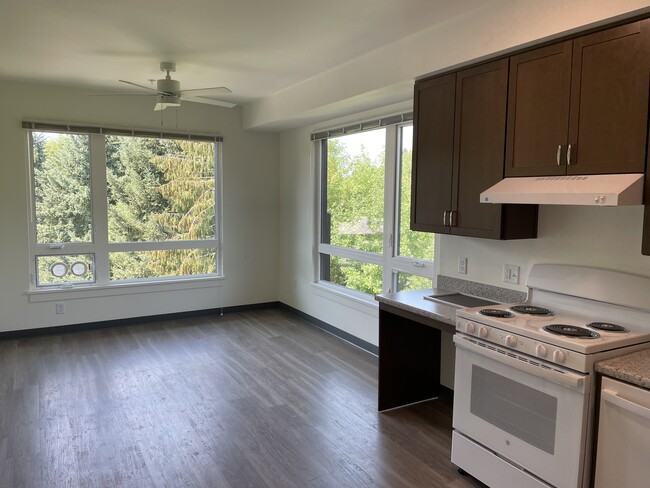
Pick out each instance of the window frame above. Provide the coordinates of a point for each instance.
(99, 246)
(390, 262)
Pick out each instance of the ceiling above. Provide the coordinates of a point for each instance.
(255, 47)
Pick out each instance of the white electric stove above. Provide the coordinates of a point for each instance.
(559, 337)
(524, 382)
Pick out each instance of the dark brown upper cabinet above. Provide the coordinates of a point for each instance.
(581, 106)
(433, 153)
(538, 111)
(459, 136)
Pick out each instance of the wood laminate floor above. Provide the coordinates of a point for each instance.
(251, 399)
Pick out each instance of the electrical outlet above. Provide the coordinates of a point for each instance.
(511, 274)
(60, 307)
(462, 265)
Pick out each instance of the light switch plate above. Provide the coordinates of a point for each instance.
(462, 265)
(511, 274)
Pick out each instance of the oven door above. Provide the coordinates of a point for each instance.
(532, 414)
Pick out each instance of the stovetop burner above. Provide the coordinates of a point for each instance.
(531, 310)
(571, 331)
(607, 327)
(495, 312)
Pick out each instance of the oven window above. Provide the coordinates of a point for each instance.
(517, 409)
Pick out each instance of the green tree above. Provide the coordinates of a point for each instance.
(189, 190)
(160, 189)
(414, 244)
(134, 198)
(355, 209)
(62, 187)
(355, 204)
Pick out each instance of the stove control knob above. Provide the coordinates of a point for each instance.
(540, 351)
(483, 332)
(471, 328)
(511, 341)
(558, 357)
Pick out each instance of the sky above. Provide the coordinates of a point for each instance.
(374, 141)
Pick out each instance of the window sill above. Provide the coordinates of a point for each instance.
(116, 289)
(350, 298)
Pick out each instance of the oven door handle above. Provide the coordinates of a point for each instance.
(567, 378)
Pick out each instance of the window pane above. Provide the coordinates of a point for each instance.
(407, 282)
(62, 187)
(357, 275)
(353, 198)
(71, 268)
(156, 264)
(159, 189)
(412, 244)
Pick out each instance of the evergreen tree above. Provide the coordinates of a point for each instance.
(160, 189)
(62, 187)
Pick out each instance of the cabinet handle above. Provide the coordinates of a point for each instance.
(558, 156)
(444, 217)
(568, 155)
(452, 219)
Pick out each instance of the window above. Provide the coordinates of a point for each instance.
(365, 243)
(110, 208)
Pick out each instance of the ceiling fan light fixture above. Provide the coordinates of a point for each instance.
(169, 94)
(165, 101)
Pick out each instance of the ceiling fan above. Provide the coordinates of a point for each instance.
(169, 93)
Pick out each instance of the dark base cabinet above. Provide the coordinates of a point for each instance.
(409, 358)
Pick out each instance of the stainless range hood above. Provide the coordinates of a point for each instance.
(601, 190)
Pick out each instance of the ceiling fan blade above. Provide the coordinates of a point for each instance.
(202, 92)
(139, 86)
(209, 101)
(123, 94)
(159, 106)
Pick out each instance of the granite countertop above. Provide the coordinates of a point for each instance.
(413, 301)
(633, 368)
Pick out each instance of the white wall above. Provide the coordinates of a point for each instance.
(251, 212)
(599, 237)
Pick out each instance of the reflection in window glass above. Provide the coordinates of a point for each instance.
(353, 198)
(407, 282)
(70, 268)
(151, 264)
(160, 189)
(357, 275)
(62, 187)
(413, 244)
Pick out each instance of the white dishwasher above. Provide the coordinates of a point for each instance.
(623, 436)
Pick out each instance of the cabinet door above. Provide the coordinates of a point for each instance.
(609, 100)
(538, 111)
(433, 147)
(479, 147)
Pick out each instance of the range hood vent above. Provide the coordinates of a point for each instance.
(601, 190)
